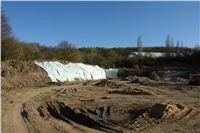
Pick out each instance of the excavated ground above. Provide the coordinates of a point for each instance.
(102, 106)
(21, 74)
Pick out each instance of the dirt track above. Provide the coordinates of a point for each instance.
(118, 107)
(12, 103)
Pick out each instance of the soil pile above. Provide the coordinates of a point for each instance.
(141, 80)
(108, 83)
(129, 91)
(154, 76)
(20, 74)
(160, 112)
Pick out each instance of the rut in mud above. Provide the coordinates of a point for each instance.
(73, 108)
(115, 118)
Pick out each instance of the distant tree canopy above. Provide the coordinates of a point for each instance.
(10, 49)
(68, 51)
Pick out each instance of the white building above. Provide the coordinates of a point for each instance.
(147, 54)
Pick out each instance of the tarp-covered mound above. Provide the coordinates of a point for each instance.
(70, 72)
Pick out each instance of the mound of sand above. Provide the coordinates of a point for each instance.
(20, 74)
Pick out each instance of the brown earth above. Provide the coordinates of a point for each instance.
(20, 74)
(95, 106)
(88, 108)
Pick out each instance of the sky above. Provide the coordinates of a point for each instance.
(104, 24)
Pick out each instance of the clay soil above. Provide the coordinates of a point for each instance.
(100, 106)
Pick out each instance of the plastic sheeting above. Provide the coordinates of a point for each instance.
(111, 73)
(59, 72)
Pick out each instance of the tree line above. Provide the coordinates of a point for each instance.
(14, 49)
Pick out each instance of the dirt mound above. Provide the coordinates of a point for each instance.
(129, 91)
(139, 119)
(154, 76)
(141, 80)
(162, 112)
(108, 83)
(20, 74)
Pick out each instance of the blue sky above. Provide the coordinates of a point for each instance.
(104, 24)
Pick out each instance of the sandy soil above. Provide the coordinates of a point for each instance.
(22, 74)
(111, 106)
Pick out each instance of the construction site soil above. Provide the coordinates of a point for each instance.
(31, 104)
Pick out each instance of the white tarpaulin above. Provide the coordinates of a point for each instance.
(111, 73)
(59, 72)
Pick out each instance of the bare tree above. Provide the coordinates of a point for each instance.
(178, 48)
(171, 42)
(182, 44)
(65, 45)
(168, 45)
(69, 52)
(168, 41)
(6, 30)
(139, 45)
(178, 44)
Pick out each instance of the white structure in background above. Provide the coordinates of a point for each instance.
(147, 54)
(70, 72)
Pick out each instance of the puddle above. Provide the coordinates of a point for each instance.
(120, 117)
(108, 116)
